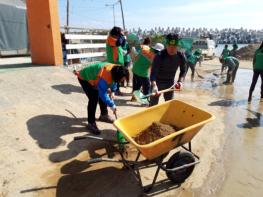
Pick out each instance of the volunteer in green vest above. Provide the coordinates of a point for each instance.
(191, 60)
(98, 82)
(232, 64)
(225, 53)
(142, 65)
(257, 71)
(114, 49)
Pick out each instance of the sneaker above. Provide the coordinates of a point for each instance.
(227, 83)
(133, 99)
(92, 127)
(106, 118)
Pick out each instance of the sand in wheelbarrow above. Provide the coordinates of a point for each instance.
(154, 132)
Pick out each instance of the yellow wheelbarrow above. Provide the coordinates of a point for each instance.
(181, 164)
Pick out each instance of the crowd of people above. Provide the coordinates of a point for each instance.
(154, 69)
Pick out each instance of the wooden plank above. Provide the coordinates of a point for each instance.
(85, 37)
(85, 46)
(85, 55)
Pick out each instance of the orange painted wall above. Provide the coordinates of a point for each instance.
(44, 32)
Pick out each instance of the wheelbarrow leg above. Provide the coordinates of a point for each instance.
(138, 155)
(159, 163)
(149, 187)
(190, 146)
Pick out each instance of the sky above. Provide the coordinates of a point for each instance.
(148, 14)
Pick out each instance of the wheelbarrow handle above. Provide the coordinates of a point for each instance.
(80, 138)
(99, 138)
(97, 160)
(88, 137)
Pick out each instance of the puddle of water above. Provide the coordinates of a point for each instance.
(243, 163)
(244, 132)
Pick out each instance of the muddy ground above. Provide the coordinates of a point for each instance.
(43, 108)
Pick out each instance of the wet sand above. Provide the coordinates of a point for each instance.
(237, 170)
(43, 110)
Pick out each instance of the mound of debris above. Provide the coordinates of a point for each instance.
(247, 52)
(154, 132)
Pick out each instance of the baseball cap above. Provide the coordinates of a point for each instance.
(158, 47)
(172, 39)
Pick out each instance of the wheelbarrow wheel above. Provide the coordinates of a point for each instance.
(179, 159)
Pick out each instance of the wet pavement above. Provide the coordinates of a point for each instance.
(241, 166)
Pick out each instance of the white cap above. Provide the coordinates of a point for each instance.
(158, 46)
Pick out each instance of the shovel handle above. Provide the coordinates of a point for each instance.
(160, 92)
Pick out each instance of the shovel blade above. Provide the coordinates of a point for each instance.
(138, 95)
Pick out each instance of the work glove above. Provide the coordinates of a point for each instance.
(114, 109)
(178, 85)
(155, 90)
(110, 93)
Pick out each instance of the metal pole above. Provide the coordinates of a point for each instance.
(113, 9)
(123, 23)
(113, 14)
(67, 15)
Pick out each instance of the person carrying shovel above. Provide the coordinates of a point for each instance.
(164, 67)
(98, 81)
(142, 65)
(192, 59)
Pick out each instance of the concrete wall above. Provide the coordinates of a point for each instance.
(44, 32)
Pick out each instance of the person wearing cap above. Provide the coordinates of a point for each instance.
(98, 81)
(192, 59)
(233, 52)
(164, 67)
(257, 71)
(114, 46)
(115, 52)
(142, 65)
(232, 64)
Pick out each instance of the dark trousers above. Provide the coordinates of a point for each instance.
(154, 100)
(256, 74)
(138, 82)
(122, 84)
(93, 96)
(231, 74)
(192, 67)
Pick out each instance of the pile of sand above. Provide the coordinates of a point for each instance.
(154, 132)
(247, 53)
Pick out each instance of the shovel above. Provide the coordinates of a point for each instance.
(143, 98)
(217, 75)
(121, 140)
